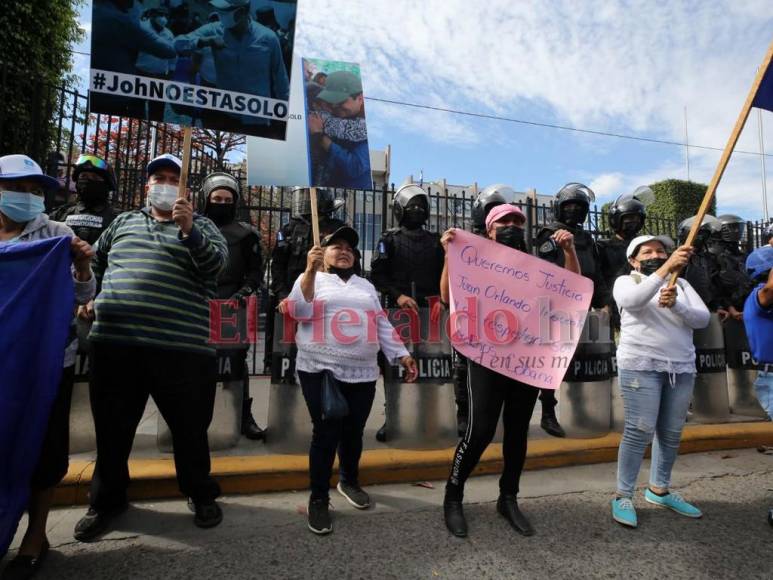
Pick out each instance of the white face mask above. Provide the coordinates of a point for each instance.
(162, 196)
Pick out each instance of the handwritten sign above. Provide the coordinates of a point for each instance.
(513, 313)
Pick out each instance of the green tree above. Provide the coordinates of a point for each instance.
(35, 60)
(676, 199)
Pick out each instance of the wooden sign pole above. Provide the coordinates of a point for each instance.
(710, 192)
(187, 137)
(314, 215)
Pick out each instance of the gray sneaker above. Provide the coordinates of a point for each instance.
(354, 494)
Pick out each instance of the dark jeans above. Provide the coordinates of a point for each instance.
(182, 385)
(344, 435)
(548, 399)
(55, 453)
(489, 392)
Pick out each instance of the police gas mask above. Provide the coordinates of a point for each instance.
(511, 236)
(651, 265)
(415, 215)
(573, 213)
(221, 213)
(162, 196)
(92, 192)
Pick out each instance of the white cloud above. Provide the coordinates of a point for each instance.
(607, 184)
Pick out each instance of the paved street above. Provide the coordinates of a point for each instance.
(265, 536)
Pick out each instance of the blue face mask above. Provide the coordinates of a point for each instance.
(21, 207)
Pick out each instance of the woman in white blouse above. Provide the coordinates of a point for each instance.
(341, 328)
(656, 369)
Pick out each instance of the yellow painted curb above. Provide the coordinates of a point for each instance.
(155, 478)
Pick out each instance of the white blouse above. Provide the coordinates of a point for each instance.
(342, 329)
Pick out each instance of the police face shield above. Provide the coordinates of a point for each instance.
(630, 225)
(416, 213)
(732, 233)
(573, 213)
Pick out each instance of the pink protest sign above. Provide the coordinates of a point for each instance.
(513, 313)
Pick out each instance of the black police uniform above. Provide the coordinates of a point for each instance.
(88, 223)
(732, 283)
(590, 266)
(407, 262)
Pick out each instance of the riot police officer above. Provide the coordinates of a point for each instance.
(627, 217)
(767, 235)
(91, 213)
(409, 259)
(570, 210)
(242, 275)
(702, 269)
(733, 283)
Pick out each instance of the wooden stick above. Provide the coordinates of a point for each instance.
(314, 215)
(187, 137)
(723, 161)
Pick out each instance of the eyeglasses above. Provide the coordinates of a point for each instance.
(95, 161)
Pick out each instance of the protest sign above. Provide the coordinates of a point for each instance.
(215, 64)
(272, 162)
(513, 313)
(335, 121)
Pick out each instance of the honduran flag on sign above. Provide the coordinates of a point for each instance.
(36, 305)
(764, 97)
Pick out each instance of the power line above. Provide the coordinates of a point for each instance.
(552, 126)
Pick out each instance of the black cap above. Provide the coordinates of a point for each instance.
(344, 232)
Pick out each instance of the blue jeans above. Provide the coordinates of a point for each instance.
(654, 407)
(764, 387)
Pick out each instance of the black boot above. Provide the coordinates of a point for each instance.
(250, 428)
(551, 426)
(454, 516)
(507, 506)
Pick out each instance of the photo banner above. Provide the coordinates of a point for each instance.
(212, 64)
(514, 313)
(335, 122)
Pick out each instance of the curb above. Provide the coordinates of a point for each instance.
(155, 478)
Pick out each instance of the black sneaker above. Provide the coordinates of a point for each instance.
(95, 523)
(551, 426)
(208, 513)
(381, 434)
(507, 506)
(250, 428)
(354, 494)
(319, 516)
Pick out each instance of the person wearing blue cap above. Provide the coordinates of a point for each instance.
(758, 320)
(22, 187)
(157, 269)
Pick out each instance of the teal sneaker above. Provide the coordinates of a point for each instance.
(623, 512)
(673, 501)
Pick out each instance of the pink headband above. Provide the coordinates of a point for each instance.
(501, 211)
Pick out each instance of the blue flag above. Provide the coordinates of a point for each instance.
(764, 97)
(37, 295)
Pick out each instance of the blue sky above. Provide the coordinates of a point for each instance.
(627, 67)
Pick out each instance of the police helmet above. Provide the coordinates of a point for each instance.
(627, 204)
(731, 227)
(709, 225)
(97, 165)
(573, 193)
(767, 234)
(489, 198)
(301, 202)
(404, 196)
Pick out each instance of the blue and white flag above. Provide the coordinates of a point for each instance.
(36, 306)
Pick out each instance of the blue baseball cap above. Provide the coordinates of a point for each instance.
(164, 160)
(14, 167)
(759, 261)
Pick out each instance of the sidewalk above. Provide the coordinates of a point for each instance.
(251, 467)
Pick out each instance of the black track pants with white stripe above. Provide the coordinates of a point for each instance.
(488, 393)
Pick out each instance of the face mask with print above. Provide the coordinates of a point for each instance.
(162, 196)
(20, 206)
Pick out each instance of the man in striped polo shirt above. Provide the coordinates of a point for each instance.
(156, 269)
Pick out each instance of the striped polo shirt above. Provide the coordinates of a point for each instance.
(154, 287)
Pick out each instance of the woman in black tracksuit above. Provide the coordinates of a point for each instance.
(489, 391)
